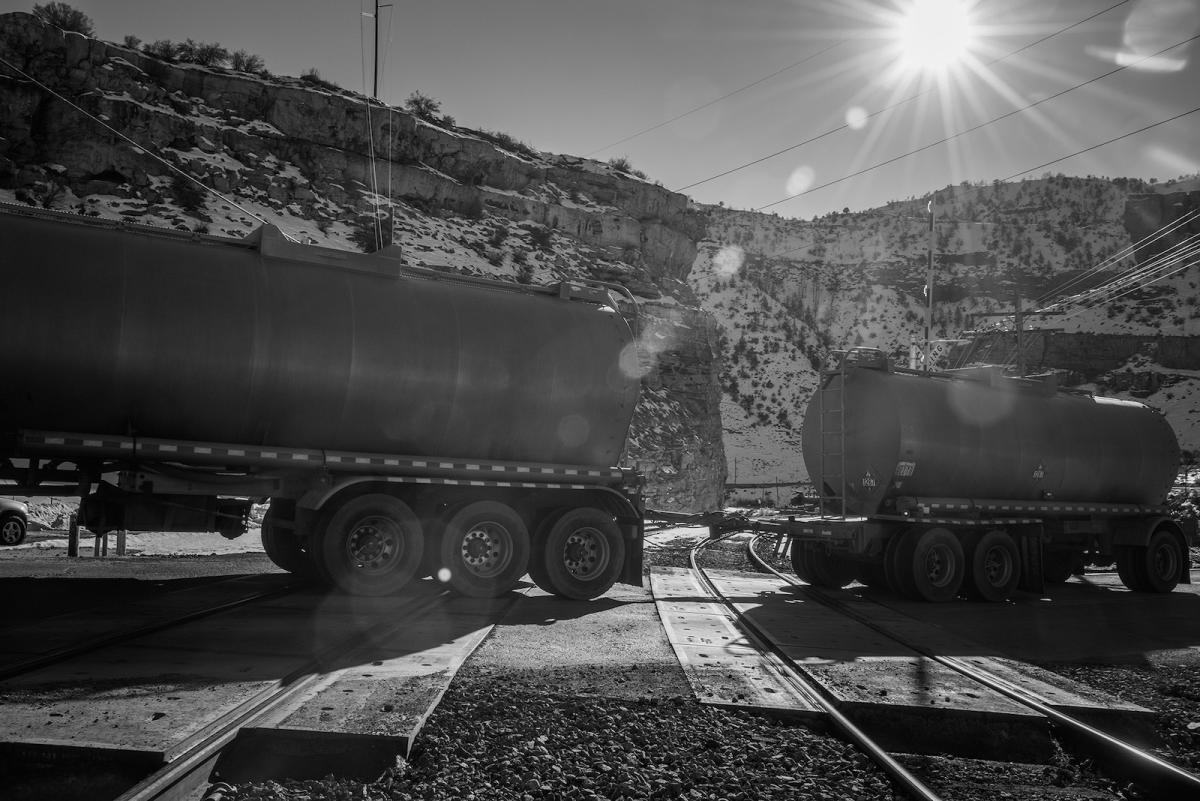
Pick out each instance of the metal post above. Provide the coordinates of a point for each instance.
(73, 536)
(121, 542)
(1019, 323)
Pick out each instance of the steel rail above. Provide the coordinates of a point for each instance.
(1165, 780)
(913, 786)
(179, 778)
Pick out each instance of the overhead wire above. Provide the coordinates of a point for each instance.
(1006, 115)
(1115, 258)
(716, 100)
(1153, 270)
(886, 109)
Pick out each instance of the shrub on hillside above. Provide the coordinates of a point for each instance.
(187, 193)
(63, 16)
(241, 61)
(621, 164)
(312, 76)
(206, 54)
(424, 106)
(162, 48)
(371, 233)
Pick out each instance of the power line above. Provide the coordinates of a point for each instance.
(715, 100)
(994, 120)
(888, 108)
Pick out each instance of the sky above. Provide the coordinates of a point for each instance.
(797, 107)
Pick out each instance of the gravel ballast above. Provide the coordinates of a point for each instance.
(578, 731)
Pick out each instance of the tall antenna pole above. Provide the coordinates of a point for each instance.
(929, 294)
(375, 54)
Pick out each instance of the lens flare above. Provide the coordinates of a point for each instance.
(800, 180)
(728, 261)
(856, 117)
(934, 34)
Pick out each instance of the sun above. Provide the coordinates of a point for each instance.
(934, 35)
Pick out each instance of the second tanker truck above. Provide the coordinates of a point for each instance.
(971, 481)
(401, 421)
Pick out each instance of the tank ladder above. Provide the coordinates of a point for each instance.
(831, 483)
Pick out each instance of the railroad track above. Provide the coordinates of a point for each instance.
(1119, 759)
(290, 683)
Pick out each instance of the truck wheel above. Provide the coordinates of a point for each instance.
(370, 545)
(1162, 561)
(485, 550)
(800, 562)
(581, 554)
(12, 530)
(995, 567)
(899, 578)
(829, 571)
(282, 546)
(1131, 567)
(935, 561)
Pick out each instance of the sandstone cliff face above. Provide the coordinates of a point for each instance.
(299, 154)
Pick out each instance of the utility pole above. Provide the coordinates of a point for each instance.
(1018, 314)
(375, 71)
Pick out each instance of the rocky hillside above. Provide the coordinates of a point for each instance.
(109, 131)
(786, 293)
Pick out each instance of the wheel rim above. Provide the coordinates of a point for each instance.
(11, 532)
(486, 549)
(375, 544)
(939, 566)
(585, 552)
(1163, 561)
(997, 566)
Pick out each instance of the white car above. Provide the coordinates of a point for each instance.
(14, 519)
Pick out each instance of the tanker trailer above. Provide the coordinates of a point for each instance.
(400, 420)
(970, 480)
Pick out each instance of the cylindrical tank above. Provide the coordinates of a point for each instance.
(983, 437)
(112, 329)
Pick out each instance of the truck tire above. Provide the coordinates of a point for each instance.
(800, 562)
(580, 554)
(995, 567)
(484, 550)
(283, 547)
(1162, 561)
(1131, 567)
(898, 580)
(933, 560)
(829, 571)
(369, 545)
(12, 530)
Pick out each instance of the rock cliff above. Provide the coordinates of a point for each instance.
(110, 131)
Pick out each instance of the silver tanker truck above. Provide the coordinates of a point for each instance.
(932, 484)
(401, 421)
